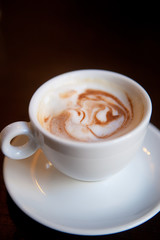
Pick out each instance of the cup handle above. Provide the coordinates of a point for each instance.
(18, 152)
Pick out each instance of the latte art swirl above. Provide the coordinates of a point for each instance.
(95, 115)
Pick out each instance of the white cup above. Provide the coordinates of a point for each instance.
(85, 161)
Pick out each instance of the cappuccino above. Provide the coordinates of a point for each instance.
(89, 110)
(88, 123)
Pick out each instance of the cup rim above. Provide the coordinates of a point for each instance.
(69, 142)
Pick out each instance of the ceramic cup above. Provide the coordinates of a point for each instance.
(87, 161)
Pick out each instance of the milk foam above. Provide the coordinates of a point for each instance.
(87, 111)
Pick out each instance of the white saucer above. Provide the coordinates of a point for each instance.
(124, 201)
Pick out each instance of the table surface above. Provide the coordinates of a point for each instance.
(41, 39)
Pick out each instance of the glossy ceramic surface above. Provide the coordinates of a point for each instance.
(124, 201)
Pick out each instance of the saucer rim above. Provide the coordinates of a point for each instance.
(79, 231)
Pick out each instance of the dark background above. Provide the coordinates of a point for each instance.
(41, 39)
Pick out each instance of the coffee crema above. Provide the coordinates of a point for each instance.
(89, 115)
